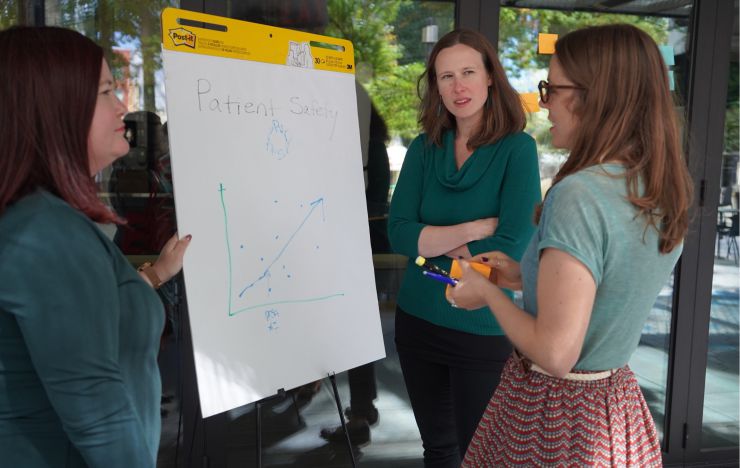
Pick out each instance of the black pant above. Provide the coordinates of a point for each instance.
(450, 376)
(362, 389)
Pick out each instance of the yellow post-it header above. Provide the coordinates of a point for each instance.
(546, 43)
(199, 33)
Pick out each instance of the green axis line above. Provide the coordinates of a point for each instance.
(228, 245)
(289, 301)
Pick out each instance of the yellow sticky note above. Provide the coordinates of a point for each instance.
(546, 43)
(456, 272)
(530, 101)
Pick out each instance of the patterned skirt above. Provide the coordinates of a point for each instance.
(537, 420)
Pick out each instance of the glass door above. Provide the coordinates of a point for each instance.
(720, 413)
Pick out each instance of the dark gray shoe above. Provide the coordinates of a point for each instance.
(359, 433)
(371, 416)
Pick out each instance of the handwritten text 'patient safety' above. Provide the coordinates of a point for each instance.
(210, 100)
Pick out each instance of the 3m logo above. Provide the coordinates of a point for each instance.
(182, 36)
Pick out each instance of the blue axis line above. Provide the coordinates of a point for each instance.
(314, 204)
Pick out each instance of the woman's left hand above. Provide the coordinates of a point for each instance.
(469, 293)
(169, 262)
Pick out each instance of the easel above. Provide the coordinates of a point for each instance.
(281, 394)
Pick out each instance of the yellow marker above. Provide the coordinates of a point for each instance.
(530, 101)
(546, 43)
(422, 262)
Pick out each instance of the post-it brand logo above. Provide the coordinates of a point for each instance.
(182, 36)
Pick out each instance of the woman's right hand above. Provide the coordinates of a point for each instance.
(481, 228)
(508, 272)
(169, 262)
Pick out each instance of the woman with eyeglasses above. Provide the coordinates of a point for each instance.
(469, 184)
(609, 233)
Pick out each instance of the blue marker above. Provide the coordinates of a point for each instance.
(438, 277)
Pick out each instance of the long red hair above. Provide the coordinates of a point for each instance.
(48, 92)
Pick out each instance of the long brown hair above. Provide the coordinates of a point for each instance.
(503, 114)
(48, 92)
(626, 113)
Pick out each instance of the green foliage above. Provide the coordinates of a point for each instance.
(397, 101)
(367, 24)
(393, 87)
(732, 122)
(519, 29)
(8, 13)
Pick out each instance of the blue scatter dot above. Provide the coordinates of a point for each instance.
(277, 237)
(262, 259)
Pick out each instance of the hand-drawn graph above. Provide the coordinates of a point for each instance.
(313, 212)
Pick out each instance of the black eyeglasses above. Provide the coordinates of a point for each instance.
(546, 89)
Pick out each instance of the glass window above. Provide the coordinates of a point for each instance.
(139, 185)
(720, 418)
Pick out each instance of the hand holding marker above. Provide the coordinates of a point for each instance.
(438, 277)
(434, 272)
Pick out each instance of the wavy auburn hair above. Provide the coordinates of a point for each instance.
(626, 113)
(503, 114)
(48, 92)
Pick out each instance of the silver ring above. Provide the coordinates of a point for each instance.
(452, 303)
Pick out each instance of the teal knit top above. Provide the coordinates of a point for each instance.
(499, 180)
(588, 216)
(79, 336)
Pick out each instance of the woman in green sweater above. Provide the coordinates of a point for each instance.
(79, 328)
(468, 185)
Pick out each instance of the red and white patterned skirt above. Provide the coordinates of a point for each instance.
(537, 420)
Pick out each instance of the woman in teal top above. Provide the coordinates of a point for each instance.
(468, 185)
(79, 327)
(610, 231)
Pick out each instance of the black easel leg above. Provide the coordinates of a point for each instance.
(333, 379)
(295, 407)
(258, 412)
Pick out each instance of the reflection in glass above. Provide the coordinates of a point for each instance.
(11, 13)
(720, 426)
(138, 185)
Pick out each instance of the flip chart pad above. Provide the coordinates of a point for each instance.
(268, 179)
